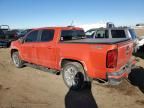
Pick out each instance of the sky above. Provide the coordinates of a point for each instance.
(42, 13)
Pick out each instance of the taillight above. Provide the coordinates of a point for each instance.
(111, 60)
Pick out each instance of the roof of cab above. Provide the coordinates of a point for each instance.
(62, 28)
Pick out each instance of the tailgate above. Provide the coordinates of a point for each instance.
(125, 50)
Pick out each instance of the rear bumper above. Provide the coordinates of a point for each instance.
(115, 78)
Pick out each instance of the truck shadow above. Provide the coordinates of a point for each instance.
(136, 78)
(140, 53)
(80, 99)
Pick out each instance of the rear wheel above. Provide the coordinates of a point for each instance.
(16, 60)
(74, 76)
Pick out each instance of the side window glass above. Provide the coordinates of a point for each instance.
(90, 34)
(47, 35)
(32, 37)
(102, 34)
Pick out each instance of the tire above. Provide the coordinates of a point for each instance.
(74, 76)
(16, 60)
(142, 89)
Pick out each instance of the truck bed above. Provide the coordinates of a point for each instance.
(99, 41)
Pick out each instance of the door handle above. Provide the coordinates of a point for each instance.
(50, 47)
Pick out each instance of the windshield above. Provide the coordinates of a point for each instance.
(132, 33)
(25, 31)
(72, 35)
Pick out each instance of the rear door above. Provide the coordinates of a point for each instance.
(28, 50)
(46, 49)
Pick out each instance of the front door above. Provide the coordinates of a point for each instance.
(28, 51)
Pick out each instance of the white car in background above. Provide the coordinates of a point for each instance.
(140, 41)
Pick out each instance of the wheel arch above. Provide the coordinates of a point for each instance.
(13, 50)
(66, 60)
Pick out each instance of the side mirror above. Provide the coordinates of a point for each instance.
(21, 40)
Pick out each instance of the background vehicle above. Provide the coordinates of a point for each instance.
(2, 35)
(7, 38)
(13, 34)
(4, 28)
(114, 32)
(140, 42)
(3, 42)
(67, 50)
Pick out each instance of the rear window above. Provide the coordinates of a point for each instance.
(72, 35)
(118, 34)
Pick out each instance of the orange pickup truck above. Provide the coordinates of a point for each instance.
(68, 51)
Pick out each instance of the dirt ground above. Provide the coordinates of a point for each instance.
(31, 88)
(140, 32)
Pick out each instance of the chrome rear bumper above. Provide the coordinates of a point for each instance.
(115, 78)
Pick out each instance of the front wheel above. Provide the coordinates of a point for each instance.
(16, 60)
(74, 76)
